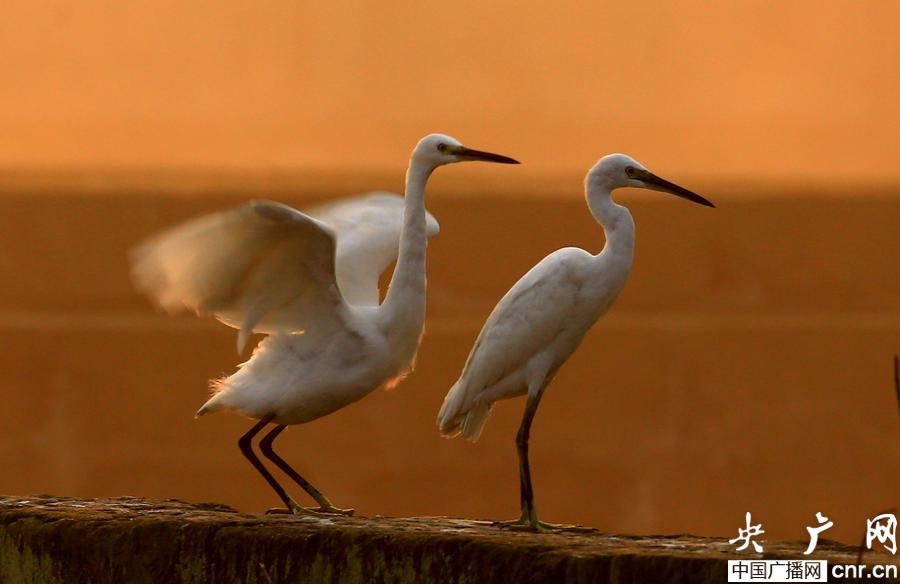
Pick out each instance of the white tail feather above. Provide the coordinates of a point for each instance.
(458, 417)
(448, 419)
(475, 421)
(213, 404)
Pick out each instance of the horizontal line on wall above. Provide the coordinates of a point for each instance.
(683, 322)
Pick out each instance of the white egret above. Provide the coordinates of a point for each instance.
(266, 267)
(542, 319)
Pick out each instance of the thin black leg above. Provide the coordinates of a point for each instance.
(265, 445)
(245, 444)
(529, 519)
(526, 489)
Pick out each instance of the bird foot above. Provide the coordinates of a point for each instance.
(321, 510)
(566, 528)
(332, 510)
(538, 526)
(509, 524)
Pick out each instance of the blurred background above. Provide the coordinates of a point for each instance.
(746, 366)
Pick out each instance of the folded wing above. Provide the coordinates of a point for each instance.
(263, 266)
(525, 322)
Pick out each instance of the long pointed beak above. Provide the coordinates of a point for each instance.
(661, 184)
(470, 154)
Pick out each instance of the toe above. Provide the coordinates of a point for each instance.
(336, 511)
(278, 511)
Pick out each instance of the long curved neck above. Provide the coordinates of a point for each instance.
(616, 221)
(404, 303)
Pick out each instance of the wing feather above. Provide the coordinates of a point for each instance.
(525, 321)
(263, 266)
(368, 231)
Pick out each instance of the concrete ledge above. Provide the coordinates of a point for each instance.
(54, 539)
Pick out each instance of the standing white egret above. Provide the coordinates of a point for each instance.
(266, 267)
(542, 319)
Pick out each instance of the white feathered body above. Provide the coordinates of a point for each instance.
(301, 377)
(309, 281)
(534, 329)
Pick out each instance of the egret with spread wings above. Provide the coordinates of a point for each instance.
(310, 282)
(540, 322)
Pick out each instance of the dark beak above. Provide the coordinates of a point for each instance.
(470, 154)
(661, 184)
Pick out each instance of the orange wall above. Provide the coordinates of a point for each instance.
(735, 88)
(746, 366)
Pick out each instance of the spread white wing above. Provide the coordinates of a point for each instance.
(368, 239)
(263, 266)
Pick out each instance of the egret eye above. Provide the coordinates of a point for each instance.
(629, 170)
(442, 147)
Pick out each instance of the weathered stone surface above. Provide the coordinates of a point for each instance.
(54, 539)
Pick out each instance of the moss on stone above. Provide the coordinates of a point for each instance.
(51, 539)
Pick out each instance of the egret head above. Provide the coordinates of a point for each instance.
(618, 170)
(438, 149)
